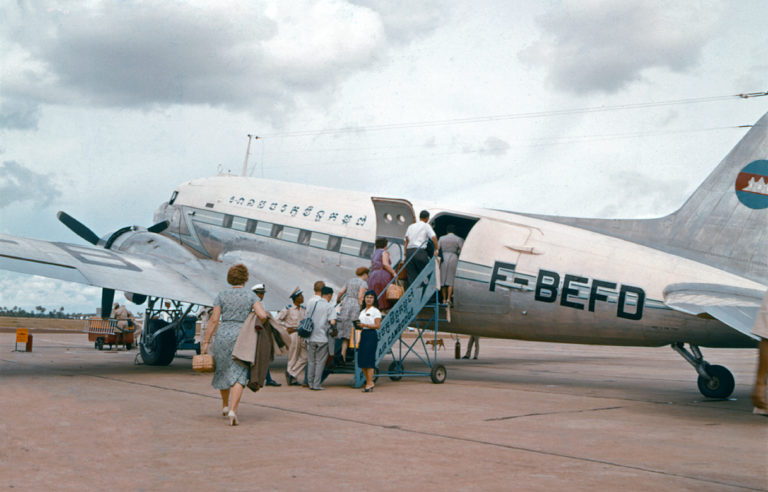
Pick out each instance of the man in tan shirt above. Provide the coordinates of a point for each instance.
(290, 316)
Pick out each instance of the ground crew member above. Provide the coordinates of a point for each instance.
(290, 316)
(124, 320)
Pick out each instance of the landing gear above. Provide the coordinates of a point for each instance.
(714, 381)
(158, 347)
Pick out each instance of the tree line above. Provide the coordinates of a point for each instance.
(38, 312)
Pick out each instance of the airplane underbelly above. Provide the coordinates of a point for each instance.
(508, 313)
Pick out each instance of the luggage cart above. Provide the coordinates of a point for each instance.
(105, 332)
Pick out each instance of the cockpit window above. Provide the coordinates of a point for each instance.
(173, 197)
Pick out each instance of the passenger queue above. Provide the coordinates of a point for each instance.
(316, 336)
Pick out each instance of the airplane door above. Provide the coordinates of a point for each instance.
(490, 242)
(393, 216)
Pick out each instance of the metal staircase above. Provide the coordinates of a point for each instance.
(418, 308)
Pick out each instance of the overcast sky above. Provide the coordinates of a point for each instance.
(106, 105)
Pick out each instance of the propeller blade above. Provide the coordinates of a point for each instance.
(159, 227)
(107, 296)
(77, 227)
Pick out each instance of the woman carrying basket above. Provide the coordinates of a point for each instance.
(230, 309)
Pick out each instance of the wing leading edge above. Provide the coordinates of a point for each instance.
(735, 306)
(119, 270)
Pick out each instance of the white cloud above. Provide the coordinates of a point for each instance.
(602, 46)
(18, 184)
(243, 56)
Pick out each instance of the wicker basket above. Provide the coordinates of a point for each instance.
(203, 363)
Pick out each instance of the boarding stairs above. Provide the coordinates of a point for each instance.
(418, 308)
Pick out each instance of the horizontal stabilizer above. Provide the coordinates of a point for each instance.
(735, 306)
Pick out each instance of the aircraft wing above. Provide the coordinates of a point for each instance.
(187, 280)
(735, 306)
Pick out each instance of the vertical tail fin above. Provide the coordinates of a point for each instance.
(724, 223)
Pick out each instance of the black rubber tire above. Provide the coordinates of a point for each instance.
(127, 346)
(438, 374)
(395, 366)
(720, 386)
(163, 350)
(99, 344)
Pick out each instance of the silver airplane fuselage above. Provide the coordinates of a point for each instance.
(518, 276)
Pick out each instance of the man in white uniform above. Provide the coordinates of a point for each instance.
(416, 237)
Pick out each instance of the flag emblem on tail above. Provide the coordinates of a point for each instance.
(752, 185)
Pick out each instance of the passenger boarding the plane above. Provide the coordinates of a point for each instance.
(323, 314)
(291, 316)
(760, 329)
(351, 297)
(416, 237)
(300, 364)
(450, 245)
(381, 272)
(230, 308)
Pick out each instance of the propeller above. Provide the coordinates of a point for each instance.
(78, 227)
(107, 295)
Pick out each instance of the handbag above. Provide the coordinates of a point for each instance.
(394, 292)
(307, 326)
(203, 363)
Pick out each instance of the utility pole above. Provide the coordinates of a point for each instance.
(247, 152)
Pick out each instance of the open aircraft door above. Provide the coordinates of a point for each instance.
(393, 216)
(503, 242)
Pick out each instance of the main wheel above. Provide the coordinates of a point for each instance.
(162, 349)
(395, 366)
(720, 385)
(438, 374)
(99, 344)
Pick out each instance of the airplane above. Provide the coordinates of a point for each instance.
(695, 277)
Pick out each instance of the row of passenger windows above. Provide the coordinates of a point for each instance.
(301, 236)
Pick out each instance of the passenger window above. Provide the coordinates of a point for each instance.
(334, 243)
(290, 234)
(350, 246)
(277, 231)
(239, 223)
(304, 236)
(227, 221)
(206, 217)
(250, 226)
(264, 229)
(366, 250)
(319, 240)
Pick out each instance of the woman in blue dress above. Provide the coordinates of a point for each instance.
(230, 308)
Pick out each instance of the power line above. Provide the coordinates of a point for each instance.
(536, 142)
(510, 116)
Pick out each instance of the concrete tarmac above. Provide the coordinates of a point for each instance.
(524, 416)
